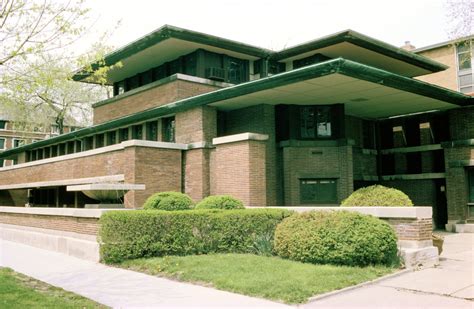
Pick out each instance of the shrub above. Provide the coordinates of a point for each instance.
(220, 202)
(136, 233)
(336, 237)
(169, 201)
(377, 196)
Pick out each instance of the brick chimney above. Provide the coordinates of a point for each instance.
(408, 46)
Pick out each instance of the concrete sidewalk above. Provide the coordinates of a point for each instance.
(449, 285)
(115, 287)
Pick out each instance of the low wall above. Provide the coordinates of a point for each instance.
(413, 226)
(68, 231)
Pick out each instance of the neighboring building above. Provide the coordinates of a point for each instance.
(303, 126)
(12, 137)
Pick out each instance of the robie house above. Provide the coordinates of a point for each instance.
(306, 125)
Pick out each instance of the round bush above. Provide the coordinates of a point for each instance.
(220, 202)
(169, 201)
(377, 196)
(336, 237)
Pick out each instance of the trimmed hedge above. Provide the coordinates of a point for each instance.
(377, 195)
(336, 237)
(220, 202)
(135, 234)
(169, 200)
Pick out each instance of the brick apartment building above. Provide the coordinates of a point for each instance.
(12, 137)
(306, 125)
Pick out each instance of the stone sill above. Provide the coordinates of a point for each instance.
(239, 138)
(418, 212)
(51, 211)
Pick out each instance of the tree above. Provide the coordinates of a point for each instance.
(460, 15)
(29, 28)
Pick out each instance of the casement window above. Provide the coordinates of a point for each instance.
(2, 143)
(168, 129)
(315, 122)
(123, 134)
(152, 130)
(99, 140)
(318, 191)
(464, 53)
(3, 125)
(18, 142)
(137, 132)
(111, 138)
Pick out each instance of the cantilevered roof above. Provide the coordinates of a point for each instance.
(355, 46)
(168, 43)
(366, 92)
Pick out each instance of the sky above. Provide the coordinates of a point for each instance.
(277, 24)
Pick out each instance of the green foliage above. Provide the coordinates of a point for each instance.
(267, 277)
(135, 234)
(339, 237)
(169, 200)
(377, 195)
(220, 202)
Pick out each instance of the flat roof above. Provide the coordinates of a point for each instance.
(441, 44)
(170, 42)
(321, 83)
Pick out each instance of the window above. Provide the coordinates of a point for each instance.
(152, 130)
(111, 138)
(318, 191)
(137, 132)
(168, 129)
(54, 129)
(464, 58)
(18, 142)
(123, 134)
(315, 122)
(99, 140)
(2, 143)
(3, 125)
(2, 163)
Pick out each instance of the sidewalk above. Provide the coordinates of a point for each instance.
(449, 285)
(115, 287)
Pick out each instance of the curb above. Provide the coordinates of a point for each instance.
(353, 287)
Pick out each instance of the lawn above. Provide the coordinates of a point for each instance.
(267, 277)
(19, 291)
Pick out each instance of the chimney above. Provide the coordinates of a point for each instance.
(408, 46)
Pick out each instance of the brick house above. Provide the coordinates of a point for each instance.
(306, 125)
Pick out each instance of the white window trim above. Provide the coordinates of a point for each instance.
(18, 139)
(459, 73)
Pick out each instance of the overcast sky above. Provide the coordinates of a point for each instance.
(277, 24)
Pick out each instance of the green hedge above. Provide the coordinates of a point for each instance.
(137, 233)
(169, 200)
(336, 237)
(220, 202)
(377, 195)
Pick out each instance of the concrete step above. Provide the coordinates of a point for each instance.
(81, 246)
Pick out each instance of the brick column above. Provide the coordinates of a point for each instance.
(239, 164)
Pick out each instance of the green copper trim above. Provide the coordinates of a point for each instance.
(364, 41)
(334, 66)
(166, 32)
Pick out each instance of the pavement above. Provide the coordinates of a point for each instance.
(449, 285)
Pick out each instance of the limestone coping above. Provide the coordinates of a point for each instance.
(239, 137)
(106, 186)
(417, 212)
(51, 211)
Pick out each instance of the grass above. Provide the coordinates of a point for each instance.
(20, 291)
(268, 277)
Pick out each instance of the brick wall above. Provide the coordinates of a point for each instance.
(157, 96)
(421, 191)
(418, 229)
(446, 78)
(88, 226)
(317, 162)
(461, 122)
(365, 164)
(239, 170)
(259, 119)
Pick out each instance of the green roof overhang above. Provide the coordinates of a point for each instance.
(170, 32)
(365, 42)
(340, 68)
